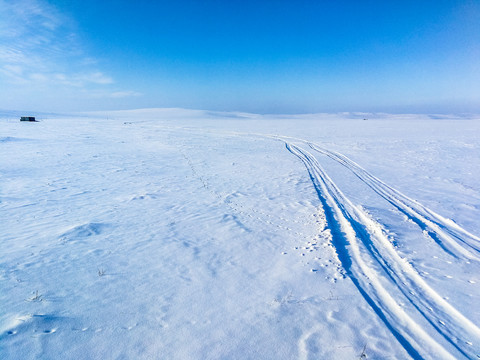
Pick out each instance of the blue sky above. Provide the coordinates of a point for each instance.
(254, 56)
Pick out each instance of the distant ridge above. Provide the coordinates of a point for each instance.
(166, 113)
(176, 113)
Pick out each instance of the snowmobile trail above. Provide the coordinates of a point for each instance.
(452, 238)
(424, 323)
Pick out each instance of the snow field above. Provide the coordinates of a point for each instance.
(193, 238)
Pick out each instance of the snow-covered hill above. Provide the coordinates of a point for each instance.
(179, 234)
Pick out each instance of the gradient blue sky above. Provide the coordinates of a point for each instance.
(254, 56)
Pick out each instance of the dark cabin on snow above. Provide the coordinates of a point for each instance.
(27, 118)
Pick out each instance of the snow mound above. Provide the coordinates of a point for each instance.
(84, 231)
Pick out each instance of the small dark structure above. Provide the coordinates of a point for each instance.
(28, 118)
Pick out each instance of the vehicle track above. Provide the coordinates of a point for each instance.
(383, 277)
(452, 238)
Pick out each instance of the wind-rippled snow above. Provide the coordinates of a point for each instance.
(192, 235)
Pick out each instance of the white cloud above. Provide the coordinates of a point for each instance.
(60, 77)
(10, 55)
(13, 74)
(38, 45)
(103, 94)
(44, 65)
(13, 69)
(28, 15)
(97, 78)
(124, 94)
(39, 77)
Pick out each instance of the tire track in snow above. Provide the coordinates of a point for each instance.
(385, 279)
(452, 238)
(444, 231)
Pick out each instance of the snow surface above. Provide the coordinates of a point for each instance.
(179, 234)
